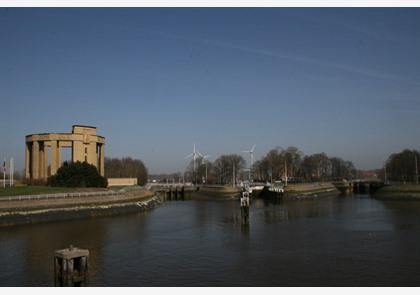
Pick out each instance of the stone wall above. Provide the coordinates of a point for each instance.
(122, 181)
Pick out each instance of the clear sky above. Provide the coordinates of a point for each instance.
(154, 81)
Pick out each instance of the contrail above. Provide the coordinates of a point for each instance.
(291, 57)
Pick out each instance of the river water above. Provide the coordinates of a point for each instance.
(333, 241)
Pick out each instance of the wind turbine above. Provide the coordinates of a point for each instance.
(251, 153)
(203, 160)
(195, 154)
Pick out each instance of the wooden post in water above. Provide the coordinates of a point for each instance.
(71, 266)
(245, 208)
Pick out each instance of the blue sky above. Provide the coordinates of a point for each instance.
(154, 81)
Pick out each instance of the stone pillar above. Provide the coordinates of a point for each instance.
(27, 161)
(78, 152)
(102, 159)
(55, 156)
(58, 154)
(91, 154)
(42, 160)
(46, 156)
(35, 160)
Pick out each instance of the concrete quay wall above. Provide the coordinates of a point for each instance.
(23, 212)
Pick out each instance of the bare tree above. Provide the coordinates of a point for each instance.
(126, 167)
(228, 168)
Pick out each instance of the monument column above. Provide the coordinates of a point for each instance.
(102, 159)
(91, 154)
(35, 160)
(55, 156)
(27, 161)
(58, 154)
(45, 163)
(41, 160)
(78, 152)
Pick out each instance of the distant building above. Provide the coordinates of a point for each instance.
(85, 144)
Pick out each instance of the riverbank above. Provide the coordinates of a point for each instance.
(398, 192)
(306, 191)
(30, 211)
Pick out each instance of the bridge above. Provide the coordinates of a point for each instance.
(172, 191)
(359, 186)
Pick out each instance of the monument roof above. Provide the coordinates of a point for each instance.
(86, 126)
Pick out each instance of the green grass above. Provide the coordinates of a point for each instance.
(402, 188)
(35, 190)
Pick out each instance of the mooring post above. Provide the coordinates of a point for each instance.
(245, 208)
(71, 266)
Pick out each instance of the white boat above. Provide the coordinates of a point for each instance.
(276, 187)
(256, 188)
(253, 188)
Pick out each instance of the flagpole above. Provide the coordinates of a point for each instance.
(11, 172)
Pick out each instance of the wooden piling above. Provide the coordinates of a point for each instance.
(245, 208)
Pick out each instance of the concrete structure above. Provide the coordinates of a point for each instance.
(122, 181)
(71, 266)
(86, 146)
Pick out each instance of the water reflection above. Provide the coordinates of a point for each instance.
(341, 241)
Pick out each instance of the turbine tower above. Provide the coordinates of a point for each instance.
(203, 160)
(195, 154)
(251, 153)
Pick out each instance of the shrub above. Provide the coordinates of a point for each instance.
(78, 174)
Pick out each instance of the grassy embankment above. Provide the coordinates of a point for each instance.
(399, 192)
(36, 190)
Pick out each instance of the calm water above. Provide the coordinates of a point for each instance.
(343, 241)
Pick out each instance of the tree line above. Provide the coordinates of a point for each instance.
(277, 164)
(402, 167)
(126, 167)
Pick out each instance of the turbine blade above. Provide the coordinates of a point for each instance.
(252, 149)
(190, 155)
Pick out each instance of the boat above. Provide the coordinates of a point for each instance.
(273, 190)
(256, 189)
(253, 188)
